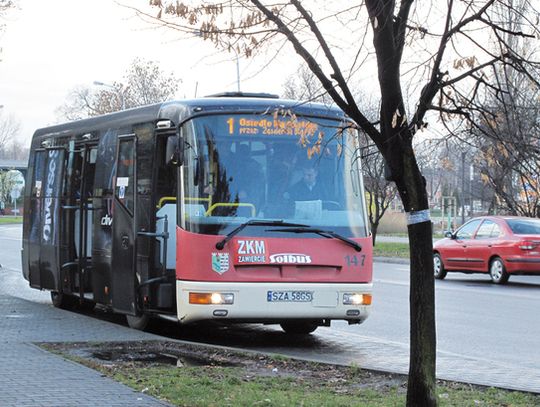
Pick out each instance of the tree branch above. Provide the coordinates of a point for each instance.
(317, 71)
(400, 27)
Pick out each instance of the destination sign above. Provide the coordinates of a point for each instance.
(271, 126)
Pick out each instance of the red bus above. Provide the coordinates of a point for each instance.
(237, 207)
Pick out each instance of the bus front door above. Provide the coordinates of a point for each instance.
(123, 284)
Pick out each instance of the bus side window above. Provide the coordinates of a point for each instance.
(125, 174)
(166, 174)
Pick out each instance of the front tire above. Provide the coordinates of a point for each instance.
(438, 267)
(498, 272)
(299, 327)
(140, 323)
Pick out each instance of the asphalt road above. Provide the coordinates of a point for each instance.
(486, 334)
(475, 318)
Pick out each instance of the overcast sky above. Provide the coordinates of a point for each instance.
(51, 46)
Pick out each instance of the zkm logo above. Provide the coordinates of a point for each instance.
(290, 258)
(251, 251)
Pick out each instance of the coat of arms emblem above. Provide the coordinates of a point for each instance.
(220, 262)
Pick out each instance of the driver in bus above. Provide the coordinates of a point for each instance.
(308, 188)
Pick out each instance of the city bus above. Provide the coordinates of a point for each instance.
(192, 210)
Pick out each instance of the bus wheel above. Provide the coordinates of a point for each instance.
(299, 327)
(61, 300)
(140, 323)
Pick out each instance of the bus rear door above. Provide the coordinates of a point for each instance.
(45, 210)
(123, 287)
(77, 219)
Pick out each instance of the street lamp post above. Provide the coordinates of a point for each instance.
(237, 70)
(463, 154)
(198, 33)
(119, 93)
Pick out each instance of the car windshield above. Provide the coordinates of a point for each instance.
(243, 167)
(524, 226)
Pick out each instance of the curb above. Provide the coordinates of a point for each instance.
(394, 260)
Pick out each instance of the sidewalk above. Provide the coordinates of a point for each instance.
(33, 377)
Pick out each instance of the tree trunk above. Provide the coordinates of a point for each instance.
(422, 355)
(422, 361)
(374, 227)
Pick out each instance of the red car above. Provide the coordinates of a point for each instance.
(498, 245)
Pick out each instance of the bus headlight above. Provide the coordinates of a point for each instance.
(356, 299)
(211, 298)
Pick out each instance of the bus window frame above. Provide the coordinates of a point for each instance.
(131, 137)
(349, 125)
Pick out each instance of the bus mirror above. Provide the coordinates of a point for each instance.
(174, 152)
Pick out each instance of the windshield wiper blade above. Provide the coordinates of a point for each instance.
(256, 222)
(324, 233)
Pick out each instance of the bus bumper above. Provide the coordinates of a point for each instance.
(272, 302)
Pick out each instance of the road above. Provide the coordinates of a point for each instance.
(486, 334)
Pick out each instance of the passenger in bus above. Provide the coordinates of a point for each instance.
(281, 163)
(308, 188)
(77, 184)
(248, 176)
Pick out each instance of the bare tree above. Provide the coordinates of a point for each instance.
(452, 167)
(144, 83)
(7, 182)
(508, 138)
(9, 126)
(9, 129)
(379, 192)
(511, 167)
(303, 85)
(418, 48)
(16, 150)
(5, 5)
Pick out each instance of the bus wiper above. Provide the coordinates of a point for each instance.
(325, 233)
(256, 222)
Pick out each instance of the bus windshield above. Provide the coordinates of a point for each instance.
(242, 167)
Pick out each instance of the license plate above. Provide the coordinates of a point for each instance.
(289, 296)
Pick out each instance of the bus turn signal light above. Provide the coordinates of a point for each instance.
(211, 298)
(356, 299)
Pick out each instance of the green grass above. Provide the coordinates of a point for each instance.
(256, 380)
(226, 386)
(394, 234)
(391, 249)
(6, 220)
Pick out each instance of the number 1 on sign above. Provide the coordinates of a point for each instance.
(231, 125)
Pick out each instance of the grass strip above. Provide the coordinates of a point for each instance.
(8, 220)
(391, 249)
(226, 386)
(237, 379)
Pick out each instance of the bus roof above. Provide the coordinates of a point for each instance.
(179, 110)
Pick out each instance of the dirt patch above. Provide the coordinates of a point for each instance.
(182, 374)
(116, 355)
